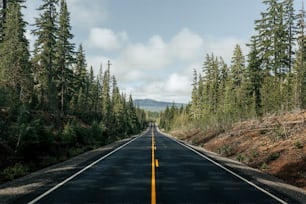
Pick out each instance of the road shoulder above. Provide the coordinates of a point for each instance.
(40, 181)
(265, 181)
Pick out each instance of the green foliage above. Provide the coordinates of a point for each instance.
(15, 171)
(68, 135)
(279, 132)
(264, 166)
(51, 107)
(44, 59)
(298, 144)
(274, 156)
(225, 150)
(241, 158)
(64, 58)
(255, 153)
(271, 80)
(15, 75)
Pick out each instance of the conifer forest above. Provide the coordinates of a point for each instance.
(51, 106)
(270, 79)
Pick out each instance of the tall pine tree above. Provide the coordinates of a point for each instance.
(45, 55)
(64, 57)
(14, 54)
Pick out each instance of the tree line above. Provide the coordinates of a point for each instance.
(271, 78)
(48, 98)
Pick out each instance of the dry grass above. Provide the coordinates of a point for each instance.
(276, 144)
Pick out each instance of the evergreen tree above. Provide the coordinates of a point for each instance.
(300, 63)
(224, 79)
(194, 96)
(2, 16)
(106, 100)
(79, 80)
(45, 55)
(211, 81)
(238, 77)
(290, 30)
(14, 54)
(275, 41)
(64, 57)
(255, 75)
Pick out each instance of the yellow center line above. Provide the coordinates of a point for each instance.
(153, 187)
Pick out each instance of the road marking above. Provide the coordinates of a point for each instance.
(156, 163)
(231, 172)
(153, 187)
(81, 171)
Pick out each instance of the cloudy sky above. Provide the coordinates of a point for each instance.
(154, 45)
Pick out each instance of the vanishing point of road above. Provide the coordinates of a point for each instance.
(154, 168)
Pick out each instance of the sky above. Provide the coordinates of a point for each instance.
(154, 45)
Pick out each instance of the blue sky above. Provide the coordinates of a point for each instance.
(155, 44)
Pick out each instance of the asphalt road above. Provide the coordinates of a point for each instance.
(154, 168)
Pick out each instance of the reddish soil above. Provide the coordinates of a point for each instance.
(273, 144)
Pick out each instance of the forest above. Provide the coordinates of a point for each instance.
(51, 106)
(270, 79)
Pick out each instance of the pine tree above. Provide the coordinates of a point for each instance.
(79, 79)
(106, 100)
(211, 80)
(255, 75)
(290, 30)
(238, 77)
(64, 57)
(300, 63)
(2, 17)
(223, 89)
(14, 54)
(194, 96)
(45, 54)
(275, 41)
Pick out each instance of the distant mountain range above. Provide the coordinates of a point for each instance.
(154, 106)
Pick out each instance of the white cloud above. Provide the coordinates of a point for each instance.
(152, 55)
(157, 68)
(106, 39)
(186, 45)
(86, 14)
(161, 69)
(177, 83)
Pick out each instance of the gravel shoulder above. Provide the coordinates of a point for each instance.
(40, 181)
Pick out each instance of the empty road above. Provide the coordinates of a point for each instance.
(153, 168)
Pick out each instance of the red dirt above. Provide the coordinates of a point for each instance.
(274, 144)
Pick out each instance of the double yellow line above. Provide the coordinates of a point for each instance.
(154, 165)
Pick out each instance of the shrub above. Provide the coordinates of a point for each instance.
(225, 150)
(97, 132)
(241, 157)
(264, 166)
(15, 171)
(274, 156)
(298, 144)
(68, 135)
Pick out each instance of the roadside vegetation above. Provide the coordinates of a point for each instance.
(269, 80)
(51, 106)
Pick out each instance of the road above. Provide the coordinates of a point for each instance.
(154, 168)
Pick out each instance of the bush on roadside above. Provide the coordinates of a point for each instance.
(15, 171)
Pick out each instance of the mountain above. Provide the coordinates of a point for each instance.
(154, 106)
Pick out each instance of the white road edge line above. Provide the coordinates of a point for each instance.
(229, 171)
(81, 171)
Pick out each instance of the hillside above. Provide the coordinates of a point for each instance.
(153, 105)
(274, 144)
